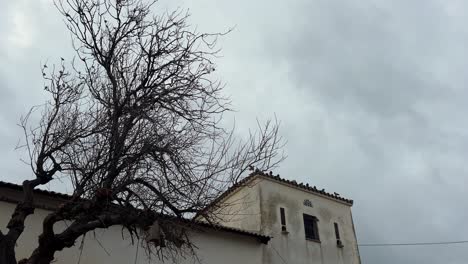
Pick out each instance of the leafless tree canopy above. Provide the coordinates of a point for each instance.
(133, 121)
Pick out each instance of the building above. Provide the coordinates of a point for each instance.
(264, 219)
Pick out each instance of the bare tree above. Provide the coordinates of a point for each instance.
(134, 122)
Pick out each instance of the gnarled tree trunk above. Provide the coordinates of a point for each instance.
(7, 250)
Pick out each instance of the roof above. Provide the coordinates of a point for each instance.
(18, 187)
(262, 238)
(61, 196)
(305, 187)
(270, 176)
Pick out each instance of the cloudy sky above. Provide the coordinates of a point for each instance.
(372, 95)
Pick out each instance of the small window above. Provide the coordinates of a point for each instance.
(337, 232)
(337, 235)
(311, 227)
(283, 219)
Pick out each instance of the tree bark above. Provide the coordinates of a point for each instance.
(41, 256)
(7, 250)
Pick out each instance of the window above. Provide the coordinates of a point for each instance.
(311, 227)
(283, 219)
(337, 232)
(337, 235)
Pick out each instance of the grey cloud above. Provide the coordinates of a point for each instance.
(383, 71)
(371, 94)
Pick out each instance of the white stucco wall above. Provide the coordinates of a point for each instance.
(214, 247)
(241, 209)
(293, 247)
(270, 195)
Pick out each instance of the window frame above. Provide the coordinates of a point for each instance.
(311, 230)
(283, 219)
(337, 231)
(339, 243)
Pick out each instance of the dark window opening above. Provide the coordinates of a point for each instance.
(311, 227)
(283, 219)
(337, 235)
(337, 232)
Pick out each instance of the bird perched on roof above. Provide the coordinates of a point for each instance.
(336, 194)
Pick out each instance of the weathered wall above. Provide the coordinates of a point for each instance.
(293, 246)
(107, 245)
(241, 209)
(262, 214)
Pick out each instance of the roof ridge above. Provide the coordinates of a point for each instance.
(270, 175)
(300, 185)
(40, 191)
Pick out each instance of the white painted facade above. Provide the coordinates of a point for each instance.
(253, 207)
(256, 207)
(107, 245)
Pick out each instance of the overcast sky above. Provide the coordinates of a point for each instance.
(372, 95)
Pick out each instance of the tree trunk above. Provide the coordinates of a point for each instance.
(7, 251)
(41, 257)
(44, 253)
